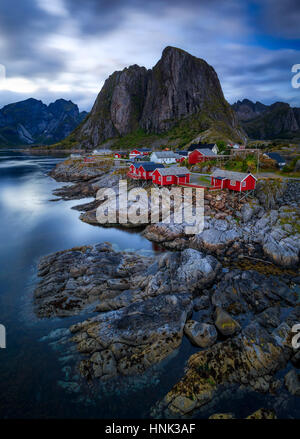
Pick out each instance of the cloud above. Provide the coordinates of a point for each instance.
(67, 48)
(280, 18)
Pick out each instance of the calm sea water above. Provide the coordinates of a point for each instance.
(34, 370)
(30, 369)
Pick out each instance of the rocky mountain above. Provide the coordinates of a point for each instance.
(33, 122)
(179, 99)
(261, 121)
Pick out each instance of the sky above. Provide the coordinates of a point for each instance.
(54, 49)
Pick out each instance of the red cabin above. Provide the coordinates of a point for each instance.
(141, 151)
(89, 159)
(201, 155)
(235, 181)
(134, 170)
(120, 155)
(172, 175)
(146, 169)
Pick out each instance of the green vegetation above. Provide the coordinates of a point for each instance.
(222, 146)
(290, 168)
(136, 139)
(242, 164)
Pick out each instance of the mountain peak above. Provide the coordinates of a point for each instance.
(180, 87)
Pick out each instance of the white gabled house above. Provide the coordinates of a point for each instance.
(165, 157)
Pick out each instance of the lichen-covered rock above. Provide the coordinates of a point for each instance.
(141, 304)
(292, 382)
(221, 416)
(251, 358)
(200, 334)
(130, 340)
(263, 414)
(77, 170)
(270, 191)
(225, 323)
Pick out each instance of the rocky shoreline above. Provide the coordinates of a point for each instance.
(239, 315)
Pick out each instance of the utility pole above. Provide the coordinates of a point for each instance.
(257, 167)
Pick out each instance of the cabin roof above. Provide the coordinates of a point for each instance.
(166, 155)
(179, 171)
(207, 152)
(137, 165)
(194, 146)
(221, 174)
(183, 153)
(141, 149)
(151, 166)
(276, 156)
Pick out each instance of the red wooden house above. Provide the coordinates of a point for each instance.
(201, 155)
(89, 159)
(146, 169)
(120, 155)
(140, 151)
(235, 181)
(134, 170)
(172, 175)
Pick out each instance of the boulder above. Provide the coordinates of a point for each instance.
(292, 382)
(225, 323)
(200, 334)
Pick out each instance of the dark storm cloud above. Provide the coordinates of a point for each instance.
(67, 48)
(281, 17)
(22, 27)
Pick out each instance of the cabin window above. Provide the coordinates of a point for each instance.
(244, 184)
(169, 178)
(232, 182)
(150, 173)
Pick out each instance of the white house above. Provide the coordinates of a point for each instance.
(166, 157)
(101, 152)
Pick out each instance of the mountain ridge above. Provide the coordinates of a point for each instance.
(31, 122)
(260, 121)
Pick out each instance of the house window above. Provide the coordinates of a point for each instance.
(169, 178)
(232, 182)
(244, 184)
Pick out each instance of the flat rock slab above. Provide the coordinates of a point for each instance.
(140, 304)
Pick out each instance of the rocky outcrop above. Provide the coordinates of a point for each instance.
(130, 340)
(140, 304)
(265, 228)
(77, 171)
(179, 88)
(32, 122)
(292, 382)
(250, 358)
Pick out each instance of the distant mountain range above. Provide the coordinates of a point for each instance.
(32, 122)
(276, 121)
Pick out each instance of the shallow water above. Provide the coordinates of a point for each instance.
(37, 373)
(30, 369)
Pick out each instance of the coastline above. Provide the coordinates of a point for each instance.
(194, 274)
